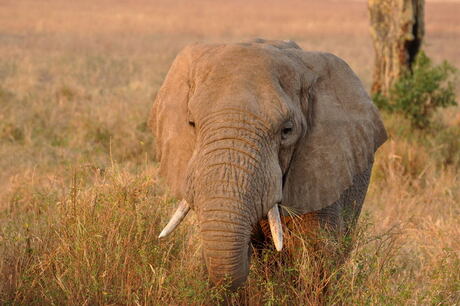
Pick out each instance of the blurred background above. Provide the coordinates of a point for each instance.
(81, 204)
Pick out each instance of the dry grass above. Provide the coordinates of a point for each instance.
(81, 204)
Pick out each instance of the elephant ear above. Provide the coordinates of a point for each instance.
(174, 137)
(344, 131)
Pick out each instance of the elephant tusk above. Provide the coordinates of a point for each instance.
(276, 229)
(176, 219)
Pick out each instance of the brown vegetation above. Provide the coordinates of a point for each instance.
(81, 204)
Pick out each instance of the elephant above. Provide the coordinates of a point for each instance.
(262, 131)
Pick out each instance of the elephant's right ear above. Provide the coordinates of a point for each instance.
(174, 136)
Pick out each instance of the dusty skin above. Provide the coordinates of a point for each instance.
(82, 204)
(240, 128)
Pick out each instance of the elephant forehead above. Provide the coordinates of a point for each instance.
(247, 77)
(245, 62)
(267, 103)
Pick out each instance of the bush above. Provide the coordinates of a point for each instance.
(417, 94)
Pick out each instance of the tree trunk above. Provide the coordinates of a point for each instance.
(397, 29)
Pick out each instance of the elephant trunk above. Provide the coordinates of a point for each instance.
(228, 183)
(228, 206)
(225, 238)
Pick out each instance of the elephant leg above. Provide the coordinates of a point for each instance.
(352, 200)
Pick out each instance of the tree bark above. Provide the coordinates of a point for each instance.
(397, 29)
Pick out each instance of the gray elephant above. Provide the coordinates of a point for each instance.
(250, 131)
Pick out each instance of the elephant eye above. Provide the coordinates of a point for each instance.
(287, 130)
(190, 119)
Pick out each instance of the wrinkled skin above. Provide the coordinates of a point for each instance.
(242, 127)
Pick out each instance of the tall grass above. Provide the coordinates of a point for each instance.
(81, 203)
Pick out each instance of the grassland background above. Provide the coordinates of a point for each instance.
(80, 201)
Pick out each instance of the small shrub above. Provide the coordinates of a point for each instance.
(417, 94)
(446, 146)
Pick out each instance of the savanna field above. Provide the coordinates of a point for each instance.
(81, 205)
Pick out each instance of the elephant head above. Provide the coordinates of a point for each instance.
(242, 129)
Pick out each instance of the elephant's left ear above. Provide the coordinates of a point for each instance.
(344, 132)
